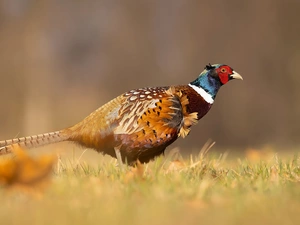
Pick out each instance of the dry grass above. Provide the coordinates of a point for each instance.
(201, 190)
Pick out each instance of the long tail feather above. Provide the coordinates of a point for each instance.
(33, 141)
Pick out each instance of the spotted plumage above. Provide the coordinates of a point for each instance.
(141, 123)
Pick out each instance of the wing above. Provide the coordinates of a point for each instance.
(152, 118)
(143, 104)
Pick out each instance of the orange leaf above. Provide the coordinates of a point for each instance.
(25, 172)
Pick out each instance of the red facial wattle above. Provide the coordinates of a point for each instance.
(224, 72)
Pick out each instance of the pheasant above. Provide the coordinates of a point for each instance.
(141, 123)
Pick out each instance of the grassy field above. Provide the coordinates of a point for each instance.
(202, 189)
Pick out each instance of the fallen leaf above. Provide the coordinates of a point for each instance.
(25, 172)
(135, 173)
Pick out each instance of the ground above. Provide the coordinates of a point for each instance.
(208, 188)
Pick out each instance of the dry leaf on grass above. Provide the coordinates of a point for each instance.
(135, 173)
(24, 172)
(255, 155)
(175, 165)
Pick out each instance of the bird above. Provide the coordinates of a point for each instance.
(140, 124)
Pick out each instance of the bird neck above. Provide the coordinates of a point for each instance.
(208, 84)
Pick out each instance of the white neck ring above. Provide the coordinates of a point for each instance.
(205, 95)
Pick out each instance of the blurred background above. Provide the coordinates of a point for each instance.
(61, 60)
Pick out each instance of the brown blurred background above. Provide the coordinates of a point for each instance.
(60, 60)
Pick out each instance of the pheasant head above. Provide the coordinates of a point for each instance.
(212, 78)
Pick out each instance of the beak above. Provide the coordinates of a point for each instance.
(235, 75)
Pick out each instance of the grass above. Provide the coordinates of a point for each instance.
(206, 189)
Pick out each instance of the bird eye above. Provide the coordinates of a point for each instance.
(223, 70)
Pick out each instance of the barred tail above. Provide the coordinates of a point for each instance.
(33, 141)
